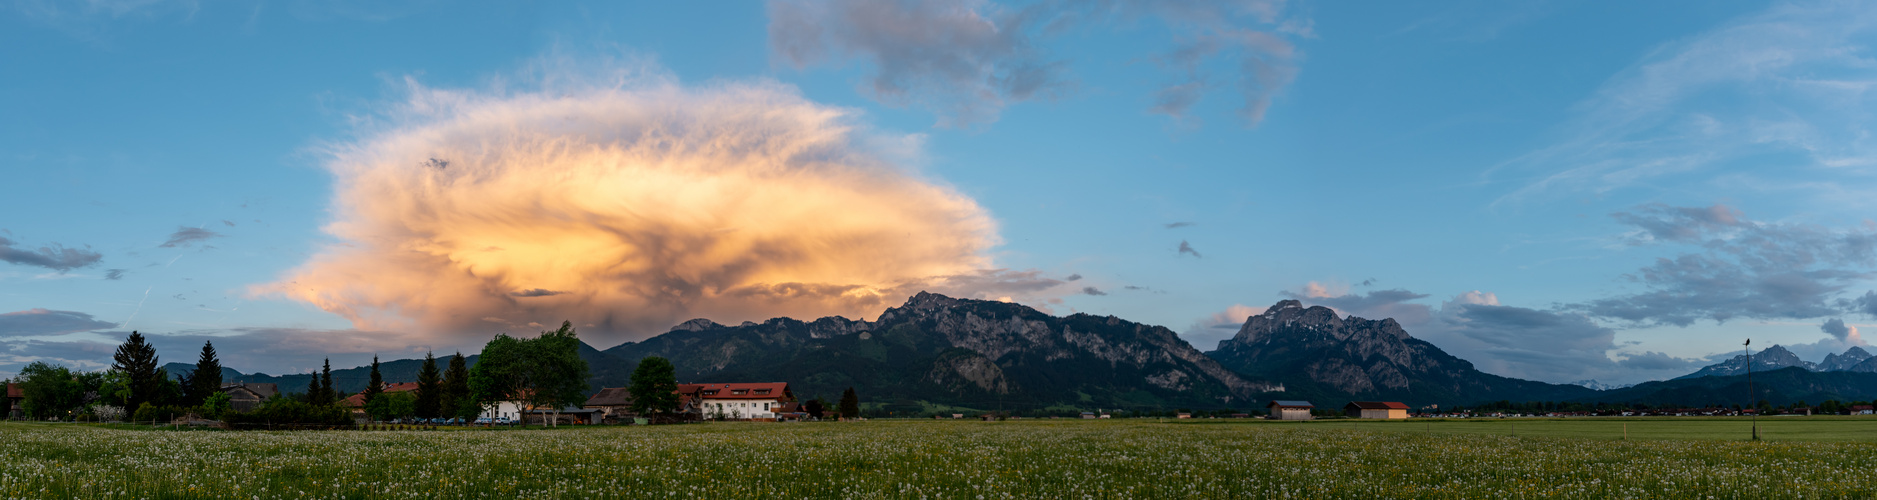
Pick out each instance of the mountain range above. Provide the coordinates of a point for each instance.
(938, 354)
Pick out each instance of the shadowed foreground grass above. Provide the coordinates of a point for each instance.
(918, 459)
(1820, 428)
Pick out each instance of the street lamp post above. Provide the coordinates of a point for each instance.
(1756, 409)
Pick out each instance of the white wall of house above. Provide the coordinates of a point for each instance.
(741, 409)
(506, 409)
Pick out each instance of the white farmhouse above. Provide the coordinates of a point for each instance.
(743, 401)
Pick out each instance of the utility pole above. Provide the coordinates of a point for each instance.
(1747, 346)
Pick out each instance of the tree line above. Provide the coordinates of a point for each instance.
(542, 372)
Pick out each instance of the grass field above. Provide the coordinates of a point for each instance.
(928, 459)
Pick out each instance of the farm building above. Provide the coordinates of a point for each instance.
(244, 396)
(1290, 410)
(1376, 409)
(614, 403)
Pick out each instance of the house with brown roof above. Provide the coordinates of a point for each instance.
(1376, 409)
(613, 403)
(1290, 410)
(243, 396)
(16, 400)
(357, 401)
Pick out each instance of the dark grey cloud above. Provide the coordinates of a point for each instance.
(968, 59)
(32, 322)
(1742, 268)
(115, 274)
(1525, 342)
(1178, 225)
(1865, 304)
(228, 223)
(186, 236)
(1073, 277)
(54, 257)
(1186, 248)
(536, 292)
(1836, 328)
(1089, 290)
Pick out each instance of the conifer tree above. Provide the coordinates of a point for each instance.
(137, 360)
(326, 395)
(456, 401)
(377, 384)
(206, 380)
(429, 389)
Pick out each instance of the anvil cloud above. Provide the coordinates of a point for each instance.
(629, 203)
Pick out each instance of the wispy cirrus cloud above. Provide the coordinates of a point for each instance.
(187, 236)
(1791, 84)
(968, 59)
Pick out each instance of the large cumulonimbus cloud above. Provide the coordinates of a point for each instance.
(632, 204)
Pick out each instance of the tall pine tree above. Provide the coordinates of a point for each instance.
(137, 360)
(312, 389)
(206, 380)
(326, 395)
(429, 389)
(456, 401)
(377, 384)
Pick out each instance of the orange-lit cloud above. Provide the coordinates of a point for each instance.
(629, 205)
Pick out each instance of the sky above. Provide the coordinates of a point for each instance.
(1556, 191)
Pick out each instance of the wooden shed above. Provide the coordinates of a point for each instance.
(1290, 410)
(1376, 409)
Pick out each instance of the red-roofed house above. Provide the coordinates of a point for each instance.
(358, 400)
(16, 397)
(1376, 409)
(739, 401)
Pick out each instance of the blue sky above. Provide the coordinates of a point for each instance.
(1554, 191)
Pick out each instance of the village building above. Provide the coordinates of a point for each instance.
(1290, 410)
(357, 401)
(243, 396)
(1376, 409)
(614, 403)
(16, 399)
(743, 401)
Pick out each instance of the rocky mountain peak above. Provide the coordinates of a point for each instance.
(697, 325)
(929, 300)
(1843, 362)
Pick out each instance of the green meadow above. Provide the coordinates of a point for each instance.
(1667, 458)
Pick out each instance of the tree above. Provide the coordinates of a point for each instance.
(815, 407)
(654, 387)
(137, 360)
(377, 384)
(456, 401)
(206, 380)
(51, 391)
(326, 395)
(557, 375)
(429, 389)
(499, 374)
(850, 404)
(391, 405)
(312, 389)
